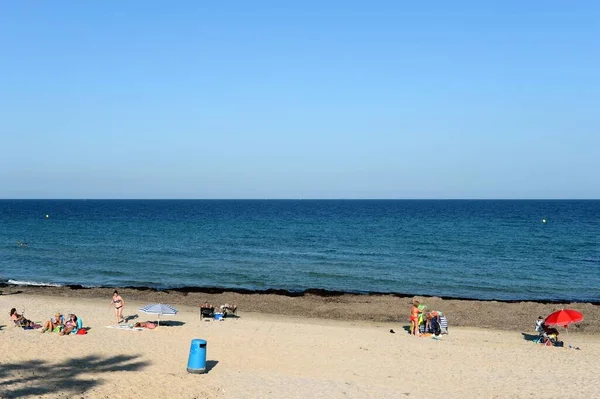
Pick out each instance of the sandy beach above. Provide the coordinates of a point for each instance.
(283, 347)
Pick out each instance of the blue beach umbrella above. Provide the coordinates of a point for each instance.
(159, 309)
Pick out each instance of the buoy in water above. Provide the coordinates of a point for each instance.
(543, 220)
(47, 216)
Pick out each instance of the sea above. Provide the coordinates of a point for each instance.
(545, 250)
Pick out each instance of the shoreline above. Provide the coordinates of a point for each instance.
(334, 305)
(321, 292)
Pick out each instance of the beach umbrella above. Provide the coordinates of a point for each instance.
(564, 317)
(159, 309)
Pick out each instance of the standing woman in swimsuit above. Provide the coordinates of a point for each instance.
(118, 303)
(414, 318)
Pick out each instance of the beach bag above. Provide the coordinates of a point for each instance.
(81, 331)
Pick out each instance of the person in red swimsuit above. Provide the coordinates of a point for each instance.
(414, 318)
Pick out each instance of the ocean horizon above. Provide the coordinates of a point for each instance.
(544, 250)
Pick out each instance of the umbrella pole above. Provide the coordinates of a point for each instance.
(568, 340)
(159, 320)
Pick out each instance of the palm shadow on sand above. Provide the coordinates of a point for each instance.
(40, 377)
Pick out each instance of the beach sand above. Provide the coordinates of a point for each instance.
(282, 347)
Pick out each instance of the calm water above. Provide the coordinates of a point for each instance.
(475, 249)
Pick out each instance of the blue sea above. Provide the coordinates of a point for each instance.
(481, 249)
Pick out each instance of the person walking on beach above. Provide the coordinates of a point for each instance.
(119, 304)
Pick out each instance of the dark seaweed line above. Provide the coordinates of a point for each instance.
(310, 291)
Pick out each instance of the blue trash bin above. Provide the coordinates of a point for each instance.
(197, 359)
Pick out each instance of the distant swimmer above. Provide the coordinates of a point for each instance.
(21, 243)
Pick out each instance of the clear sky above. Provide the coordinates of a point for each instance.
(304, 99)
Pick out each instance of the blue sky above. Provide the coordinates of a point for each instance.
(269, 99)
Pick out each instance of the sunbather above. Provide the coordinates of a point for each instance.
(55, 324)
(145, 324)
(70, 325)
(19, 320)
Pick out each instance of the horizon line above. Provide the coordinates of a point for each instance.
(299, 199)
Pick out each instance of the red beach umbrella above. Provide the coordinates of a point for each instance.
(563, 317)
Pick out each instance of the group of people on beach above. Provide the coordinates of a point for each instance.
(68, 325)
(432, 320)
(56, 324)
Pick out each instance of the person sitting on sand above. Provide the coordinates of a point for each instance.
(414, 318)
(19, 320)
(145, 324)
(70, 325)
(228, 309)
(541, 326)
(55, 324)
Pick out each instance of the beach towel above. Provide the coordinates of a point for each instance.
(126, 327)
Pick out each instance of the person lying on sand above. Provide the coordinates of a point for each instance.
(19, 319)
(145, 324)
(55, 324)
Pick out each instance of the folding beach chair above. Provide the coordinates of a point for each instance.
(444, 324)
(207, 312)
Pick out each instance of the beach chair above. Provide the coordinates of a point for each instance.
(443, 324)
(208, 312)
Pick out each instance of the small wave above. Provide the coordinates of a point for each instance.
(35, 283)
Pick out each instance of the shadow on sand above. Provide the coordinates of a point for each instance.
(39, 377)
(131, 317)
(530, 337)
(210, 364)
(170, 323)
